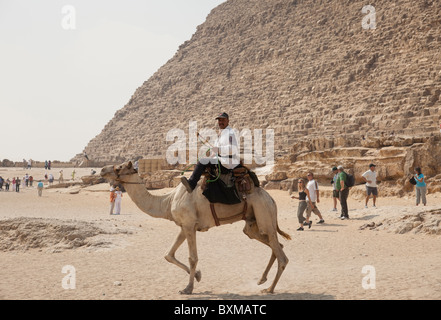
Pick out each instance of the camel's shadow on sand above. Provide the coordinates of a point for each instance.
(208, 295)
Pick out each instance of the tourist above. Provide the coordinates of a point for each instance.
(118, 200)
(312, 199)
(335, 193)
(45, 164)
(13, 183)
(7, 183)
(51, 179)
(73, 175)
(23, 182)
(30, 164)
(224, 153)
(60, 178)
(343, 192)
(370, 177)
(31, 181)
(26, 180)
(40, 188)
(420, 186)
(112, 199)
(1, 183)
(49, 164)
(303, 194)
(17, 185)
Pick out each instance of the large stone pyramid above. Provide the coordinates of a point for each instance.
(306, 69)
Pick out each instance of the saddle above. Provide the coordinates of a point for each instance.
(228, 187)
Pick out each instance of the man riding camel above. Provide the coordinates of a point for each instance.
(225, 153)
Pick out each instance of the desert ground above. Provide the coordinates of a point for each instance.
(47, 241)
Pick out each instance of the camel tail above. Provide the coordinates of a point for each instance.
(283, 234)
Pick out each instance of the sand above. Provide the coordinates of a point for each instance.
(122, 257)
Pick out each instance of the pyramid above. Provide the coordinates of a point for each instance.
(306, 69)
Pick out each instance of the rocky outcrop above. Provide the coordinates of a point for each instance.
(306, 69)
(395, 158)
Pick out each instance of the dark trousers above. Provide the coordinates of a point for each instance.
(17, 187)
(344, 202)
(200, 169)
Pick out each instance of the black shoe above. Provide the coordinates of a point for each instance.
(300, 229)
(186, 184)
(321, 221)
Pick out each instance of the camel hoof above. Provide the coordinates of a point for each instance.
(186, 291)
(261, 281)
(198, 276)
(267, 291)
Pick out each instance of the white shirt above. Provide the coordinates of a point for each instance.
(118, 195)
(372, 177)
(312, 187)
(227, 144)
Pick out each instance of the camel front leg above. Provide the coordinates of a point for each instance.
(170, 257)
(190, 235)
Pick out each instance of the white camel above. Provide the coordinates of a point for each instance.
(191, 212)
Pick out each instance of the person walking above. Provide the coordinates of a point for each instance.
(60, 178)
(118, 200)
(112, 199)
(343, 192)
(312, 199)
(370, 177)
(40, 187)
(17, 185)
(73, 175)
(7, 183)
(420, 187)
(335, 193)
(303, 195)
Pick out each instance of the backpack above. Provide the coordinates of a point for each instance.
(350, 180)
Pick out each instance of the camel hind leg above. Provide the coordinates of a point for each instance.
(170, 257)
(253, 232)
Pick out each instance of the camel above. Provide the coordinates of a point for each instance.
(191, 212)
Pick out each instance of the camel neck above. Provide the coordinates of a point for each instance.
(153, 205)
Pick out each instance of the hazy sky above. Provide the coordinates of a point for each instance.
(66, 67)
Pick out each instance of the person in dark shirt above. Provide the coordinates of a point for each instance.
(303, 195)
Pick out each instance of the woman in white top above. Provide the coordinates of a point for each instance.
(118, 200)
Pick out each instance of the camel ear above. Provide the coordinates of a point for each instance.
(129, 164)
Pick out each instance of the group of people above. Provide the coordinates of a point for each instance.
(47, 164)
(309, 194)
(308, 198)
(26, 181)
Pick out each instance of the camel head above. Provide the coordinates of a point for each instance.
(114, 173)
